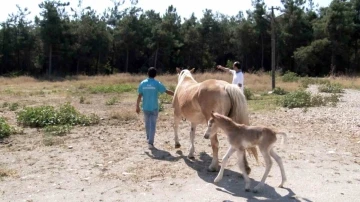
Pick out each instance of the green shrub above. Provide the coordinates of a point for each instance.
(290, 77)
(296, 99)
(279, 91)
(331, 88)
(42, 116)
(5, 129)
(82, 100)
(248, 94)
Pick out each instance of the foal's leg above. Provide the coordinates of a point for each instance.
(176, 128)
(240, 155)
(192, 138)
(268, 163)
(214, 166)
(279, 162)
(230, 151)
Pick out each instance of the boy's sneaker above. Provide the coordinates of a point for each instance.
(151, 146)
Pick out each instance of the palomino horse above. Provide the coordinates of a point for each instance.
(195, 101)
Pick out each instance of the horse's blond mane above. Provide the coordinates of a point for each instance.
(182, 75)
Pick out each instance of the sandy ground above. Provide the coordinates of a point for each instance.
(111, 161)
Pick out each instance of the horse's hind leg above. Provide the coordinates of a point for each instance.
(214, 166)
(192, 138)
(176, 129)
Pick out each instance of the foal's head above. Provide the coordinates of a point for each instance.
(218, 119)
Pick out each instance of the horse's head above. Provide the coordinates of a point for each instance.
(184, 72)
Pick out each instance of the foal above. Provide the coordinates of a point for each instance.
(242, 137)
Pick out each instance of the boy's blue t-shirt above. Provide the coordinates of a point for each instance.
(149, 89)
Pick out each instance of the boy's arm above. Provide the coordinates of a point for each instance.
(223, 68)
(138, 103)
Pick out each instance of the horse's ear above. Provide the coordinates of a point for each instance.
(192, 70)
(178, 70)
(212, 114)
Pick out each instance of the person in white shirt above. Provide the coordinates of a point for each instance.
(238, 76)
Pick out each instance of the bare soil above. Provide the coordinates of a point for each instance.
(111, 161)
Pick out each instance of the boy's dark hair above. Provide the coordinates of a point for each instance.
(237, 64)
(152, 72)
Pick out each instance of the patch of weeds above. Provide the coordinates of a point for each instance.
(248, 94)
(333, 99)
(290, 77)
(331, 88)
(279, 91)
(264, 102)
(305, 82)
(5, 129)
(14, 106)
(42, 116)
(124, 115)
(82, 99)
(296, 99)
(5, 104)
(119, 88)
(172, 88)
(50, 140)
(111, 101)
(300, 99)
(59, 130)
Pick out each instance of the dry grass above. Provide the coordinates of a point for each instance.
(4, 172)
(257, 82)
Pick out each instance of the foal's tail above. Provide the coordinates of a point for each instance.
(239, 111)
(284, 139)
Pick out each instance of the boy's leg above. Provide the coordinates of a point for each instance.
(153, 119)
(147, 121)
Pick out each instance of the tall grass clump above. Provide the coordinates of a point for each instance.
(42, 116)
(248, 94)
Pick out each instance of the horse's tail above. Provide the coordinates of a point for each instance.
(239, 111)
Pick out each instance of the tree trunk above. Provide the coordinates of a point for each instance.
(50, 60)
(97, 64)
(262, 51)
(77, 66)
(127, 61)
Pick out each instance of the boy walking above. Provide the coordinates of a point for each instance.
(148, 91)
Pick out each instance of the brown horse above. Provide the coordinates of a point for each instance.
(195, 101)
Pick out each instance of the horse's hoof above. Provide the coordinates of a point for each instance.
(281, 186)
(177, 146)
(191, 157)
(247, 190)
(255, 191)
(212, 169)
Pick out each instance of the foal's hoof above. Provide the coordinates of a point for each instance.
(248, 170)
(177, 146)
(191, 157)
(255, 191)
(281, 186)
(247, 190)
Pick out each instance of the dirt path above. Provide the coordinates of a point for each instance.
(110, 162)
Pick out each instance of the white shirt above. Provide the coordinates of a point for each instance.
(238, 78)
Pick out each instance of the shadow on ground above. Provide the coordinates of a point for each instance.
(232, 182)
